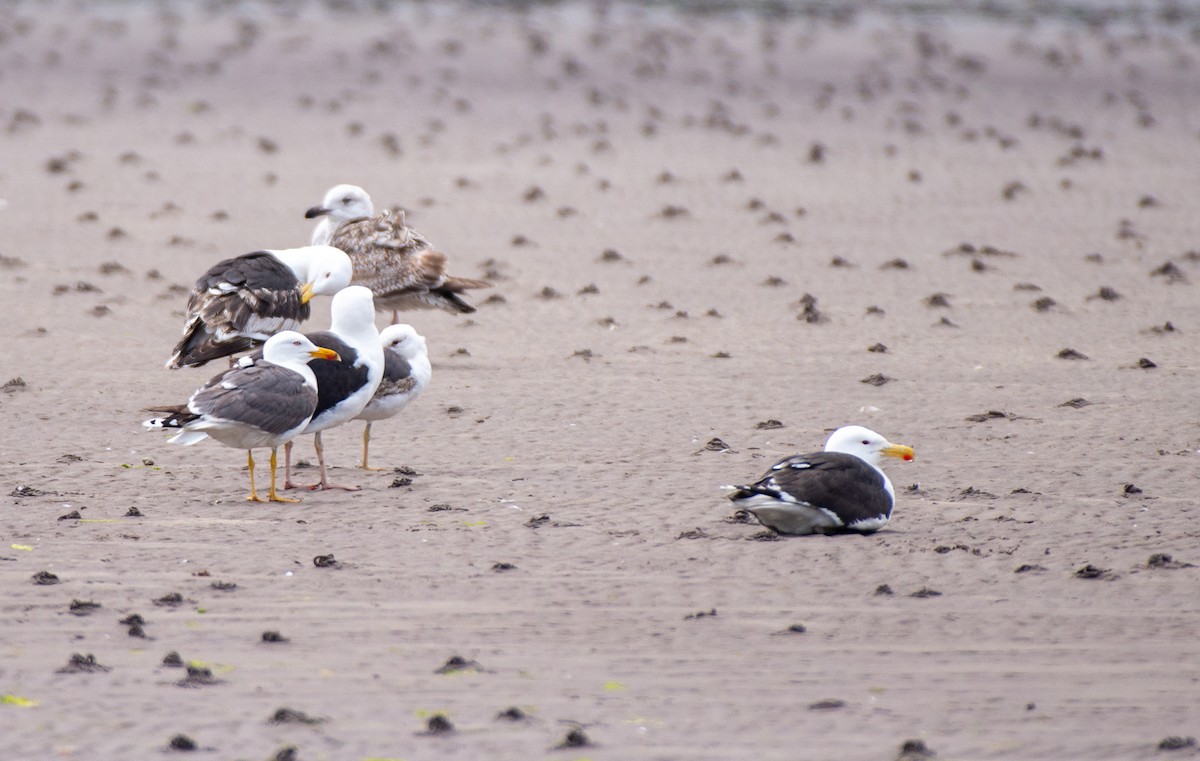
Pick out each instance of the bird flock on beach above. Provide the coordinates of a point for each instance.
(291, 384)
(288, 384)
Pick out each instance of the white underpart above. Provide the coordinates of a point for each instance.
(870, 524)
(186, 438)
(323, 232)
(353, 312)
(414, 351)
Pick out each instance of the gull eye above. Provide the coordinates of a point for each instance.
(866, 442)
(347, 200)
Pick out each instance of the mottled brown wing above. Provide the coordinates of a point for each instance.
(397, 376)
(400, 266)
(238, 302)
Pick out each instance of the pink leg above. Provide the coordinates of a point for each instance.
(288, 483)
(324, 483)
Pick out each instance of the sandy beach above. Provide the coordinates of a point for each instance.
(712, 238)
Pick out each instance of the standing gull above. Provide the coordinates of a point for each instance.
(838, 490)
(343, 388)
(261, 405)
(397, 263)
(240, 302)
(406, 373)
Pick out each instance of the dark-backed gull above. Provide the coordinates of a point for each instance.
(343, 388)
(261, 405)
(397, 263)
(838, 490)
(240, 302)
(406, 373)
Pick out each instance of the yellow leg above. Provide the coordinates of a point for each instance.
(273, 496)
(366, 444)
(253, 493)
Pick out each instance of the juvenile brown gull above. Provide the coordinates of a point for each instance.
(397, 263)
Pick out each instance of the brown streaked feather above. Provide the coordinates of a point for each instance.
(238, 303)
(390, 387)
(400, 266)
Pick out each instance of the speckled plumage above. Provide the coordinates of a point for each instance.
(400, 266)
(242, 301)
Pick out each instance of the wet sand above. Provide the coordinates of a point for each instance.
(695, 225)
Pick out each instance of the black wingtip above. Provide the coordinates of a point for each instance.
(452, 302)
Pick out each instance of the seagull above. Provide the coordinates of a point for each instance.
(406, 373)
(262, 405)
(240, 302)
(397, 263)
(838, 490)
(343, 388)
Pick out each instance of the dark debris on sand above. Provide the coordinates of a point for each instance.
(82, 664)
(1176, 742)
(437, 726)
(292, 716)
(456, 663)
(83, 607)
(1090, 571)
(171, 600)
(287, 753)
(44, 578)
(1165, 561)
(198, 676)
(576, 738)
(914, 750)
(829, 704)
(182, 743)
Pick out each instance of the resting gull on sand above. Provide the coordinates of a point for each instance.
(838, 490)
(261, 405)
(240, 302)
(406, 373)
(400, 266)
